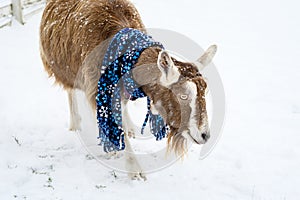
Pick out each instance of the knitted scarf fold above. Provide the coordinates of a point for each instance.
(122, 54)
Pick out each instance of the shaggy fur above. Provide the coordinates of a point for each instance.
(70, 30)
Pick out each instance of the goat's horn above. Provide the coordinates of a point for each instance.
(207, 57)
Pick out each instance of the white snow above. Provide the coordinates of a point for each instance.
(258, 156)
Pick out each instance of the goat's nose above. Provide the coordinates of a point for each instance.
(205, 136)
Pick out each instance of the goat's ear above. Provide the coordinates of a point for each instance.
(207, 57)
(169, 72)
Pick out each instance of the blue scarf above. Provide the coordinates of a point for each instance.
(122, 54)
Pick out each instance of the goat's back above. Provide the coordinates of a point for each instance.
(70, 30)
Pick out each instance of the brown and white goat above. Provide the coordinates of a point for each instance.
(74, 37)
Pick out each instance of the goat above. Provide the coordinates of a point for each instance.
(73, 38)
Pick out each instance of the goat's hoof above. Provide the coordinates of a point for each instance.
(131, 134)
(74, 128)
(137, 176)
(75, 124)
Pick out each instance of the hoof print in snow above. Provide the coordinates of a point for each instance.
(100, 187)
(49, 182)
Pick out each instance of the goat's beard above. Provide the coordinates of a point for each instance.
(178, 143)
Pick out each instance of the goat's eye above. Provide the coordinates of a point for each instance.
(184, 97)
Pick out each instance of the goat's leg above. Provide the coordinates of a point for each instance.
(128, 125)
(132, 166)
(75, 118)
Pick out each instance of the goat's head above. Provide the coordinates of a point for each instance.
(177, 91)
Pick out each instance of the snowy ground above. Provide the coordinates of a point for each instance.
(258, 156)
